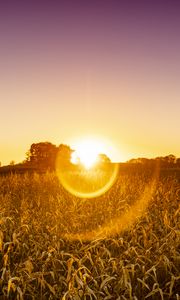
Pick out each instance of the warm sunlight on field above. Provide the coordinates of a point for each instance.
(89, 150)
(123, 254)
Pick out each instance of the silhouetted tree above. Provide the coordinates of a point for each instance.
(171, 159)
(42, 155)
(64, 153)
(178, 162)
(138, 160)
(103, 158)
(165, 162)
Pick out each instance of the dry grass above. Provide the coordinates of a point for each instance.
(38, 260)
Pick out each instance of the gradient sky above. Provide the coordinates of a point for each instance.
(76, 68)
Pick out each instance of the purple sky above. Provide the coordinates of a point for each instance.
(76, 68)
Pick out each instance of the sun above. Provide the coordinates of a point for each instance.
(90, 176)
(86, 153)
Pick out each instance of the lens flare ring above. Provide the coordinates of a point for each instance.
(87, 183)
(119, 224)
(94, 182)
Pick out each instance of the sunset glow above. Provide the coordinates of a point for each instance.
(86, 153)
(87, 158)
(108, 68)
(89, 177)
(89, 149)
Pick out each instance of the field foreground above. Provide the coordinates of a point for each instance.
(49, 248)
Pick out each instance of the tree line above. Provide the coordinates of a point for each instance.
(43, 155)
(164, 161)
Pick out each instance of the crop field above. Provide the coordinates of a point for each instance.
(124, 244)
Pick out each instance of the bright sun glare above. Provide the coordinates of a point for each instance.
(87, 181)
(86, 153)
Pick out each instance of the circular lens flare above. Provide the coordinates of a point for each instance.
(86, 176)
(87, 182)
(117, 223)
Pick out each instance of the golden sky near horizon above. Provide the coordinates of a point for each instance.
(105, 71)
